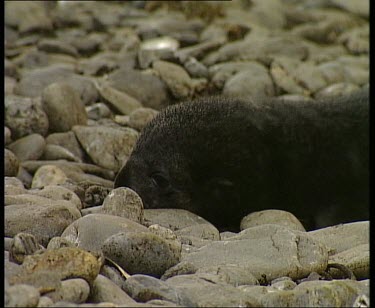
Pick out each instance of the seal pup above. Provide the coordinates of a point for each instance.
(223, 158)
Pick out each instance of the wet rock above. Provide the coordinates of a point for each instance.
(123, 102)
(48, 175)
(21, 295)
(278, 217)
(107, 147)
(144, 288)
(124, 202)
(42, 217)
(146, 88)
(71, 290)
(280, 244)
(104, 290)
(140, 117)
(63, 107)
(29, 147)
(142, 252)
(90, 231)
(25, 116)
(176, 78)
(11, 163)
(254, 81)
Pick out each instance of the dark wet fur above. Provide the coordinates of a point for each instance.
(224, 158)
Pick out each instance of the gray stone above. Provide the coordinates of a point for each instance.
(143, 288)
(104, 290)
(11, 163)
(140, 117)
(42, 217)
(9, 85)
(254, 81)
(56, 46)
(98, 65)
(195, 68)
(142, 252)
(67, 140)
(336, 89)
(343, 237)
(283, 283)
(356, 40)
(25, 116)
(146, 88)
(90, 231)
(123, 102)
(173, 219)
(277, 217)
(23, 244)
(56, 152)
(108, 147)
(21, 295)
(124, 202)
(48, 175)
(360, 7)
(289, 252)
(10, 69)
(30, 147)
(45, 301)
(98, 111)
(25, 177)
(63, 106)
(58, 242)
(203, 231)
(71, 290)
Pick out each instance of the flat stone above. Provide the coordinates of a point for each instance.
(29, 147)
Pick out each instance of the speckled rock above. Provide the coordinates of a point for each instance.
(63, 107)
(124, 202)
(25, 116)
(108, 147)
(140, 117)
(176, 78)
(29, 147)
(278, 217)
(90, 231)
(142, 252)
(21, 295)
(48, 175)
(11, 163)
(71, 290)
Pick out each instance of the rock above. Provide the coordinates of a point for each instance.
(146, 88)
(56, 46)
(56, 152)
(316, 293)
(45, 301)
(9, 85)
(104, 290)
(107, 147)
(123, 102)
(21, 295)
(65, 262)
(336, 89)
(280, 244)
(11, 163)
(29, 147)
(10, 69)
(25, 177)
(294, 76)
(199, 50)
(67, 140)
(44, 219)
(13, 186)
(357, 259)
(58, 242)
(360, 7)
(22, 244)
(173, 219)
(198, 292)
(195, 68)
(140, 117)
(48, 175)
(277, 217)
(142, 252)
(143, 288)
(25, 116)
(98, 111)
(254, 81)
(18, 15)
(342, 237)
(176, 78)
(124, 202)
(63, 107)
(203, 231)
(356, 40)
(98, 65)
(90, 231)
(72, 290)
(283, 283)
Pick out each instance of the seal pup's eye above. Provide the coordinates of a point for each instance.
(159, 180)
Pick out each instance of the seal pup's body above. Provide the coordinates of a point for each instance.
(223, 158)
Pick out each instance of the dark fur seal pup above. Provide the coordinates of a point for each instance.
(223, 158)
